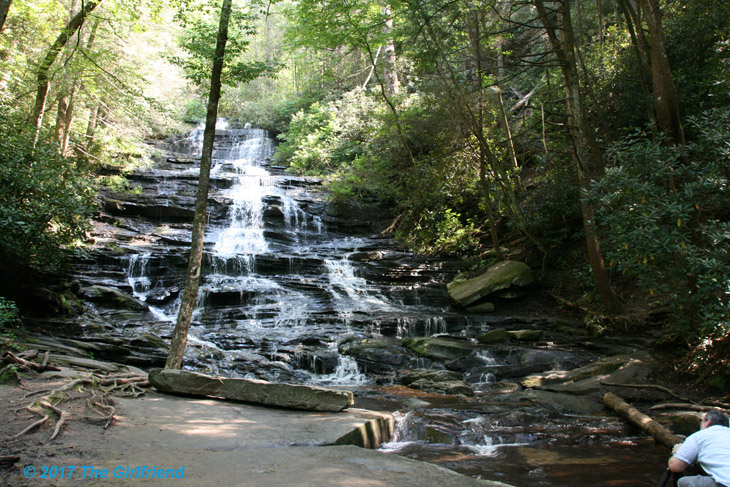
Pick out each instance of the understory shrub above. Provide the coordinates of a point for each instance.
(664, 214)
(45, 201)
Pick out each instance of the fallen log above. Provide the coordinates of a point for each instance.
(254, 391)
(661, 434)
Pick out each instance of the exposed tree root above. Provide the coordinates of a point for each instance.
(24, 361)
(105, 411)
(100, 390)
(33, 426)
(66, 387)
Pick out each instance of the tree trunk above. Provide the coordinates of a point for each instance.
(640, 50)
(67, 99)
(61, 120)
(43, 81)
(585, 150)
(390, 72)
(489, 206)
(67, 120)
(91, 127)
(666, 103)
(192, 280)
(4, 8)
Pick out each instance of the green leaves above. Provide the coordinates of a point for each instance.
(199, 39)
(665, 224)
(45, 201)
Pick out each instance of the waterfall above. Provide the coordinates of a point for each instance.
(244, 232)
(274, 275)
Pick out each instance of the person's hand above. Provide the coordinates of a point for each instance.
(675, 448)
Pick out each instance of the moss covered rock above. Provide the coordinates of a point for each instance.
(504, 275)
(525, 335)
(439, 348)
(113, 298)
(492, 336)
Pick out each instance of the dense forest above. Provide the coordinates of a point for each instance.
(589, 138)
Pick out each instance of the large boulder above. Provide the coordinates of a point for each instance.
(496, 335)
(254, 391)
(591, 378)
(408, 377)
(439, 348)
(438, 381)
(525, 335)
(380, 356)
(501, 276)
(112, 297)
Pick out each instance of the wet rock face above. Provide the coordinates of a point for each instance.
(377, 356)
(440, 348)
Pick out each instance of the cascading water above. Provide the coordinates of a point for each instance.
(263, 308)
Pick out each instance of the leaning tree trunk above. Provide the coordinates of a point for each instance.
(43, 79)
(641, 50)
(585, 152)
(192, 280)
(666, 103)
(4, 7)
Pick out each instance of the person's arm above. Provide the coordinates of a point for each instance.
(678, 465)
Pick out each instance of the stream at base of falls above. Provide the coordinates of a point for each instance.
(298, 290)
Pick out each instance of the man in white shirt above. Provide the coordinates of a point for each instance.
(710, 447)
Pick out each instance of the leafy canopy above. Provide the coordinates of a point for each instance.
(200, 23)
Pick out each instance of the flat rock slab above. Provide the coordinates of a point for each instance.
(291, 396)
(232, 444)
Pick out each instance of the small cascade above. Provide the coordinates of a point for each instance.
(153, 292)
(243, 235)
(347, 373)
(351, 293)
(409, 326)
(138, 275)
(408, 428)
